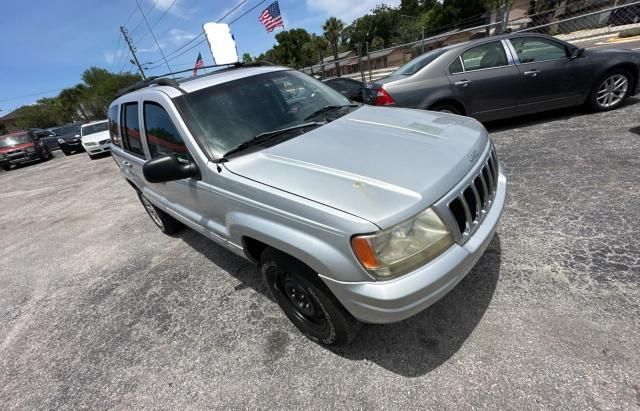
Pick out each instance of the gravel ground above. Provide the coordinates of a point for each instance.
(98, 309)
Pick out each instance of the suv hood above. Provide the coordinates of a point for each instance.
(381, 164)
(95, 137)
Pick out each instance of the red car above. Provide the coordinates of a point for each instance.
(21, 147)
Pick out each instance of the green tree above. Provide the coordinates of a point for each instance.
(332, 29)
(246, 58)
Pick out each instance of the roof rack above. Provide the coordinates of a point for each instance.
(163, 80)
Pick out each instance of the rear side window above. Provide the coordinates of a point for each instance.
(162, 136)
(456, 66)
(485, 56)
(113, 125)
(130, 129)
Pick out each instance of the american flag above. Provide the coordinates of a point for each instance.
(271, 17)
(199, 64)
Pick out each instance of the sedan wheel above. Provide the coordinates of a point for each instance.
(611, 91)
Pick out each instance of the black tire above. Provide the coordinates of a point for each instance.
(306, 301)
(66, 153)
(92, 156)
(6, 168)
(445, 108)
(164, 221)
(593, 102)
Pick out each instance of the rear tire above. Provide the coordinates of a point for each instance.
(164, 221)
(611, 90)
(306, 301)
(445, 108)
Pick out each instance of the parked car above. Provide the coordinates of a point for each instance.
(353, 213)
(510, 75)
(350, 88)
(21, 147)
(95, 138)
(47, 137)
(70, 140)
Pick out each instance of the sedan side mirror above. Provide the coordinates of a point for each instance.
(576, 52)
(169, 168)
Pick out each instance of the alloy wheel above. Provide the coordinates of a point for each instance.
(612, 90)
(152, 211)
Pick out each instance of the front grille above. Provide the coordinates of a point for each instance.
(471, 205)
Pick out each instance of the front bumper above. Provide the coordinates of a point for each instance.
(398, 299)
(71, 146)
(97, 149)
(21, 159)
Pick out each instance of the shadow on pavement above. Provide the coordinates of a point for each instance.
(544, 117)
(412, 347)
(423, 342)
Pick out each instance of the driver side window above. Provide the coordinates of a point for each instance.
(162, 136)
(533, 49)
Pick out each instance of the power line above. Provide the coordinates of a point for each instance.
(232, 10)
(247, 12)
(158, 21)
(153, 35)
(32, 95)
(143, 14)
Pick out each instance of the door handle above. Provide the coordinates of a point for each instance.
(462, 83)
(126, 164)
(532, 73)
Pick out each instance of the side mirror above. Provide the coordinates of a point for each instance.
(169, 168)
(576, 53)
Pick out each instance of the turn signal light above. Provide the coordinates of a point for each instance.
(364, 252)
(383, 98)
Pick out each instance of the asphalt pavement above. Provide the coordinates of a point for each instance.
(99, 309)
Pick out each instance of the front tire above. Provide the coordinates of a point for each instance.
(611, 90)
(445, 108)
(306, 301)
(66, 152)
(164, 221)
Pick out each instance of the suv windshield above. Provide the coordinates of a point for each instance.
(94, 128)
(229, 114)
(418, 63)
(14, 140)
(72, 129)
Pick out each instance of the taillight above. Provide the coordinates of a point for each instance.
(383, 98)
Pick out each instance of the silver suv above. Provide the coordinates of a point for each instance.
(352, 213)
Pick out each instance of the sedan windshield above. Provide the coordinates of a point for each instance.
(229, 114)
(14, 140)
(94, 128)
(418, 63)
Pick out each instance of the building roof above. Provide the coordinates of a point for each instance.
(9, 116)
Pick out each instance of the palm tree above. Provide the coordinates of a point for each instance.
(332, 29)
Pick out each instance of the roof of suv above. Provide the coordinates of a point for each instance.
(94, 122)
(191, 84)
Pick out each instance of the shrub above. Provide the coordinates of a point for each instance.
(629, 32)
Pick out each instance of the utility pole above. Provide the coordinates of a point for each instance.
(133, 51)
(144, 16)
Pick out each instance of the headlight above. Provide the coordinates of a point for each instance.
(61, 141)
(404, 247)
(30, 149)
(2, 156)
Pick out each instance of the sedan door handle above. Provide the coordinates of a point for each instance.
(126, 164)
(462, 83)
(531, 73)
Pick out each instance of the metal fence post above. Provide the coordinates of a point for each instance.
(369, 60)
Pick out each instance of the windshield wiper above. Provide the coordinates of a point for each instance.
(327, 109)
(262, 137)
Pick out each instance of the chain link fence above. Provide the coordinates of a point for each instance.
(570, 21)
